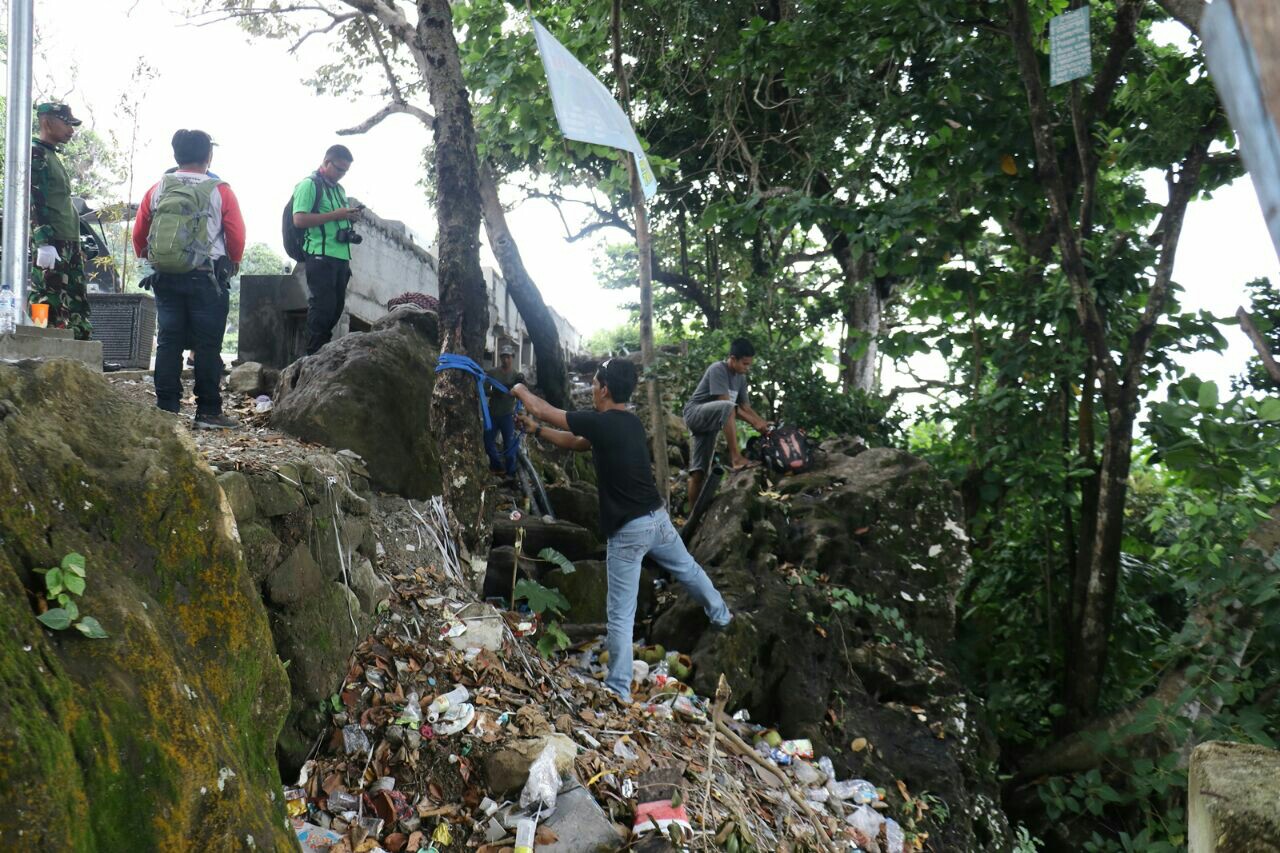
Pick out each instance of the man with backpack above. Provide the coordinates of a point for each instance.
(318, 233)
(717, 403)
(632, 517)
(190, 229)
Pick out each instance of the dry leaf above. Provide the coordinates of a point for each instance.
(1008, 165)
(858, 744)
(545, 835)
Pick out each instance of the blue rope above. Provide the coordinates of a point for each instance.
(453, 361)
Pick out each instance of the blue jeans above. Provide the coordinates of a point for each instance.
(650, 534)
(506, 424)
(191, 312)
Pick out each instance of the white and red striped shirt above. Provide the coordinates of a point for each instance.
(226, 225)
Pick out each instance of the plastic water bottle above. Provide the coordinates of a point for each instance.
(8, 310)
(441, 704)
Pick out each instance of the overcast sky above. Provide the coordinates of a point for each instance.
(272, 130)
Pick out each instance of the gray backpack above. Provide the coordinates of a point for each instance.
(179, 240)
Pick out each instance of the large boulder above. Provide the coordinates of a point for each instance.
(370, 392)
(576, 502)
(843, 583)
(161, 736)
(570, 539)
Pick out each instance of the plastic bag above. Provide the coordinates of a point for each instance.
(412, 713)
(625, 752)
(544, 782)
(896, 839)
(824, 764)
(807, 774)
(860, 791)
(866, 823)
(354, 740)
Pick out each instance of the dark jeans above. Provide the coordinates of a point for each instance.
(191, 311)
(327, 280)
(505, 424)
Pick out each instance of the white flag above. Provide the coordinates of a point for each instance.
(585, 109)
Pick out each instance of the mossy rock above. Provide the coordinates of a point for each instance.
(161, 736)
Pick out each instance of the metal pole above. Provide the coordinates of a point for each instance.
(17, 161)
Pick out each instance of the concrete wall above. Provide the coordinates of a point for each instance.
(1233, 805)
(388, 263)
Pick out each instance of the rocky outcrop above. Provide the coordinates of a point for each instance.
(370, 392)
(843, 584)
(161, 736)
(310, 547)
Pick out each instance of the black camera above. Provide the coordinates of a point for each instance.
(348, 235)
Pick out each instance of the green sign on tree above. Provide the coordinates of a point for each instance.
(1069, 56)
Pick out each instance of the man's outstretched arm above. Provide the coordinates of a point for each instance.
(558, 437)
(540, 408)
(750, 415)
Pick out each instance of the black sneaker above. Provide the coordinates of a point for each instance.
(216, 422)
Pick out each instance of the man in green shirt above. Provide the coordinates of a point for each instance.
(57, 276)
(502, 410)
(320, 207)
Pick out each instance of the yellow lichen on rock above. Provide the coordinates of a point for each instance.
(120, 744)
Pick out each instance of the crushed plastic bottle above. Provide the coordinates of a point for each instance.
(526, 829)
(341, 801)
(824, 764)
(860, 791)
(8, 310)
(441, 704)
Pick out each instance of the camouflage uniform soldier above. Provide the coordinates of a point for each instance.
(57, 277)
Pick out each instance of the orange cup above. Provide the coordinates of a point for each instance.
(40, 314)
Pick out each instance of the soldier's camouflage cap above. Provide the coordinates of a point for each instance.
(61, 111)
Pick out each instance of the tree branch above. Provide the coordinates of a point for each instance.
(1051, 176)
(608, 218)
(1187, 12)
(1181, 192)
(389, 110)
(1259, 344)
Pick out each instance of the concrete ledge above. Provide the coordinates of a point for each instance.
(1234, 801)
(38, 343)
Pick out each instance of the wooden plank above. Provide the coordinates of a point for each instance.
(1240, 42)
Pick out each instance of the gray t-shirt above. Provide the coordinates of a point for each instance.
(720, 381)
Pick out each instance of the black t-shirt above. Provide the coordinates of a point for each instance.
(620, 451)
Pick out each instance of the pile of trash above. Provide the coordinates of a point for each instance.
(449, 731)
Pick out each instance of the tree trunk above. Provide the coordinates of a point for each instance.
(657, 415)
(860, 312)
(1087, 654)
(464, 313)
(553, 377)
(859, 349)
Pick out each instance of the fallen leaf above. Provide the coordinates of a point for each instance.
(953, 124)
(1008, 165)
(545, 835)
(858, 744)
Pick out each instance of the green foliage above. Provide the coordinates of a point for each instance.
(562, 562)
(64, 584)
(541, 600)
(553, 639)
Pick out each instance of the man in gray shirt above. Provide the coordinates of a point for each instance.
(717, 403)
